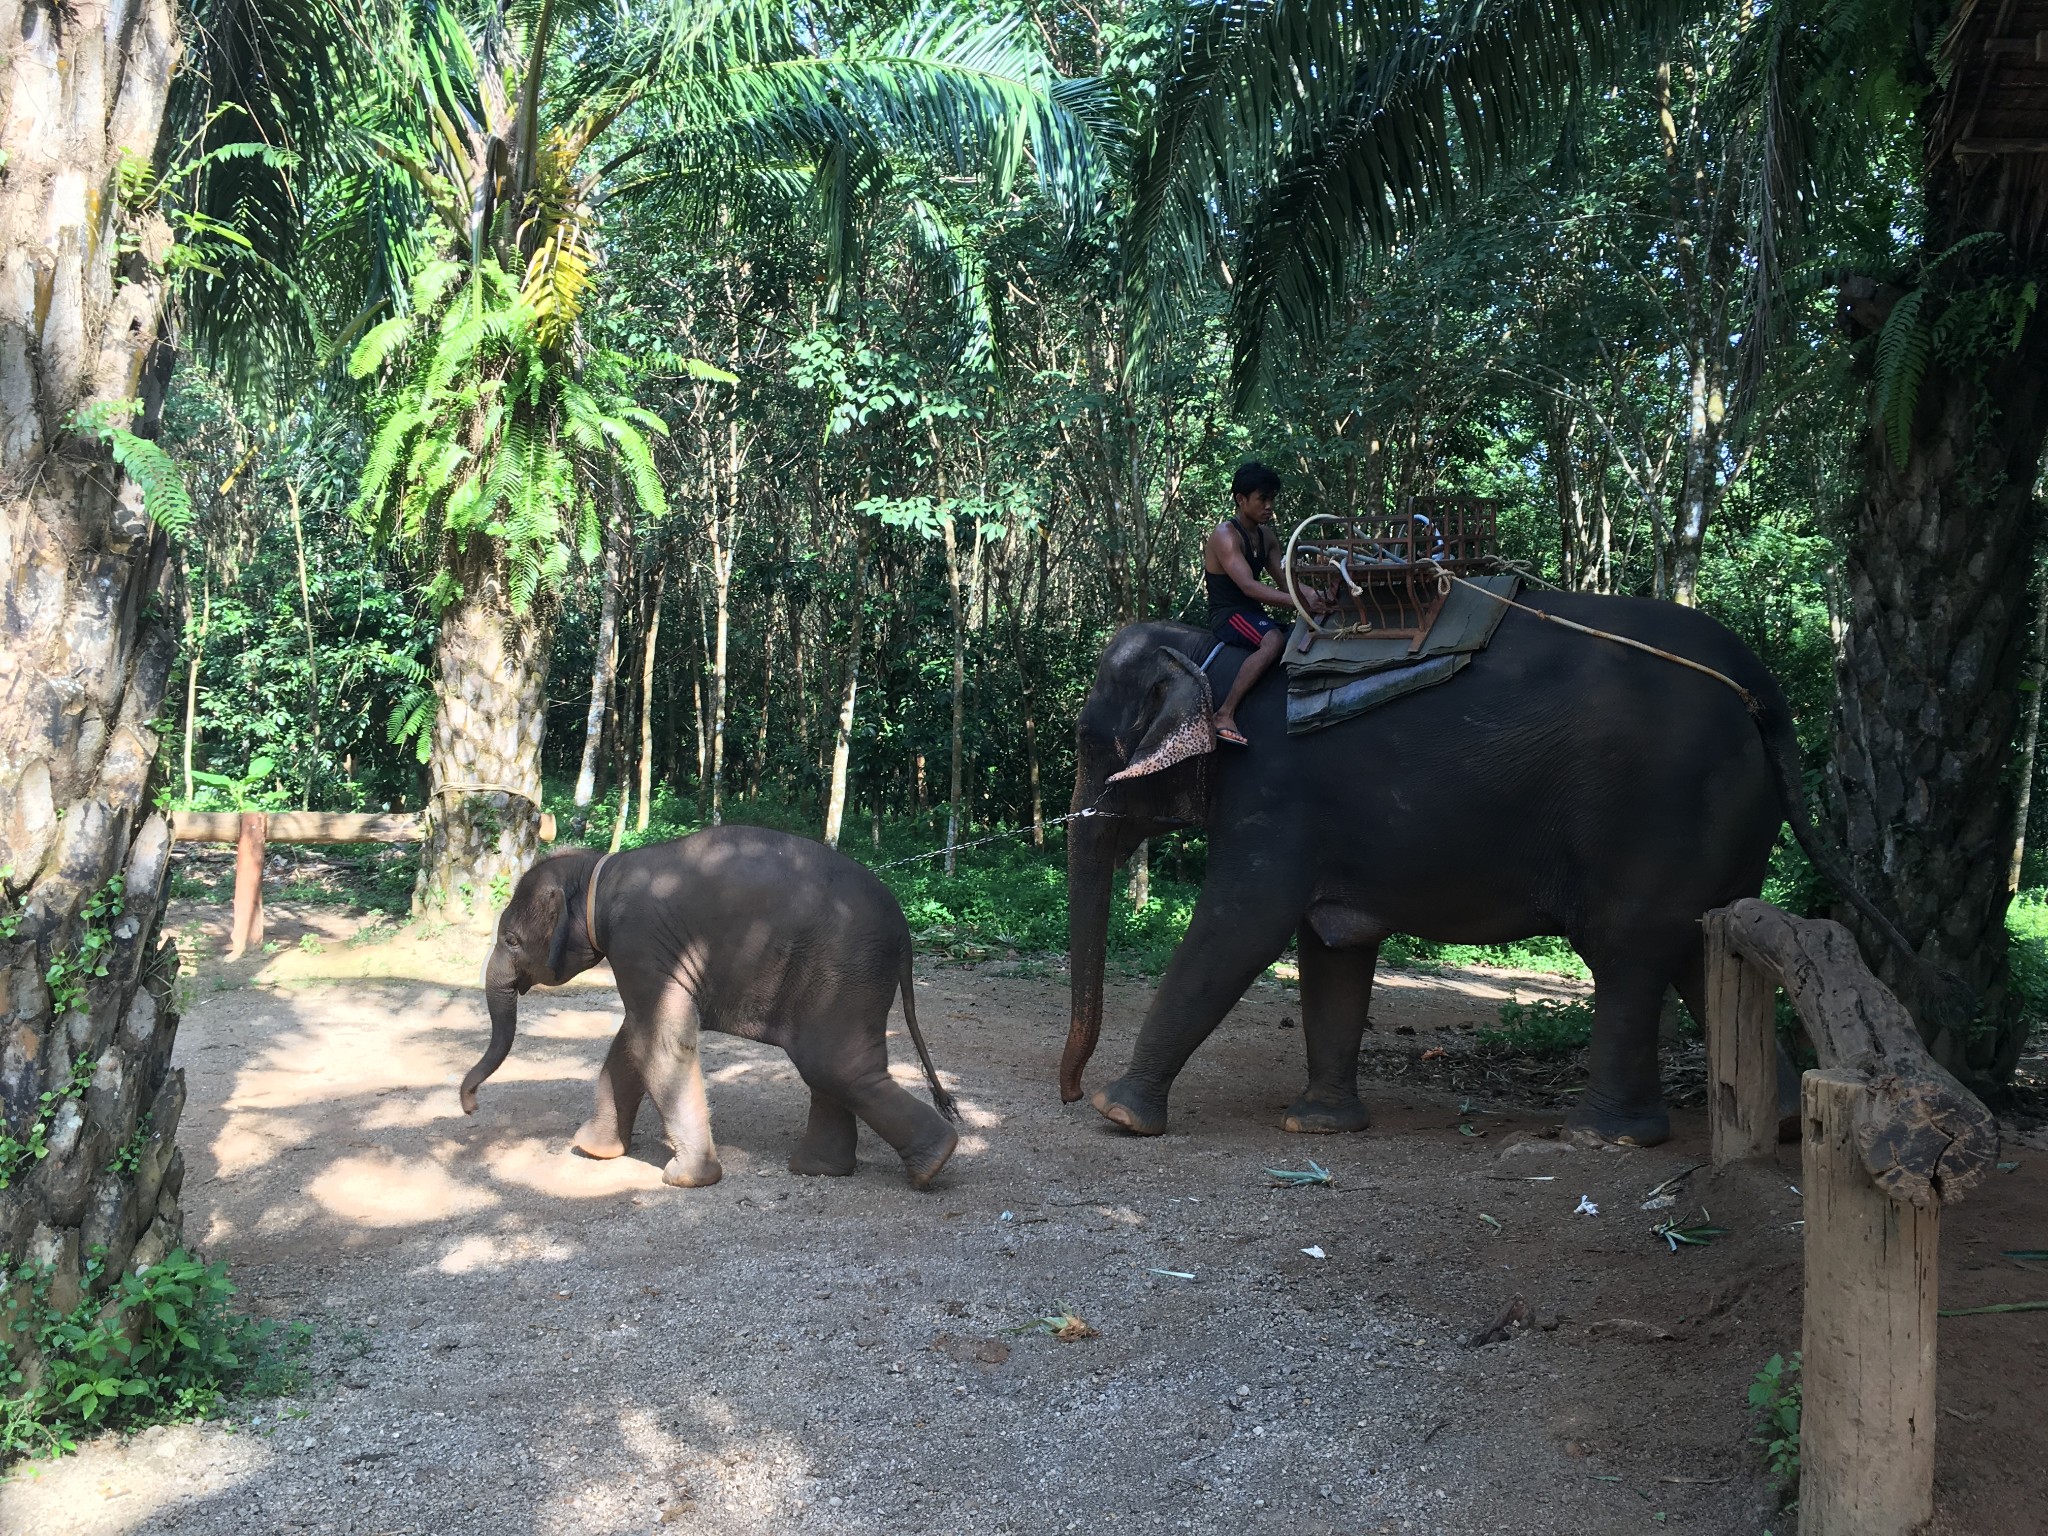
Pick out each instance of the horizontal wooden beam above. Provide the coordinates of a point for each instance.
(300, 827)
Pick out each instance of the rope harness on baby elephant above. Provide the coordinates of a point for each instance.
(590, 905)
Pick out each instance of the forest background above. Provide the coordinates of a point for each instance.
(876, 468)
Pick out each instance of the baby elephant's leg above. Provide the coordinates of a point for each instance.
(827, 1147)
(620, 1088)
(675, 1081)
(856, 1074)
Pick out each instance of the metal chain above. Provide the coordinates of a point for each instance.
(998, 837)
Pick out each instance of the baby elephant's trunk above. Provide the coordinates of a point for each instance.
(946, 1103)
(501, 996)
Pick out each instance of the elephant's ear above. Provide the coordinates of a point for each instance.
(1178, 722)
(551, 897)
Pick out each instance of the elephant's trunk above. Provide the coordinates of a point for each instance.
(501, 996)
(1091, 864)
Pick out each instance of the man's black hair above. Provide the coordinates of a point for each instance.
(1255, 479)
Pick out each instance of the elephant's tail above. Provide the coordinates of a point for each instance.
(948, 1106)
(1951, 1000)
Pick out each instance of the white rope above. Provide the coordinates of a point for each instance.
(997, 837)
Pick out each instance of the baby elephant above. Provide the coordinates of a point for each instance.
(756, 933)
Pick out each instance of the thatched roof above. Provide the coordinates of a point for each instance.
(1994, 122)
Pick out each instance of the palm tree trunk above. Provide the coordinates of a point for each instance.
(1928, 675)
(490, 688)
(602, 669)
(88, 637)
(647, 693)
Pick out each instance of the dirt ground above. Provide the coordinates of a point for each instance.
(510, 1338)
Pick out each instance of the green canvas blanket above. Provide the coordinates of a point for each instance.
(1336, 679)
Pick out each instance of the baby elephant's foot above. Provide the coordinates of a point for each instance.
(827, 1147)
(598, 1141)
(923, 1163)
(692, 1173)
(817, 1163)
(1311, 1116)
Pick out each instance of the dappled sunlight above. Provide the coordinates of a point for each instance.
(533, 1164)
(252, 1139)
(380, 1189)
(501, 1250)
(114, 1485)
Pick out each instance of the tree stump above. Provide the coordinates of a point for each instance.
(1742, 1050)
(1867, 1413)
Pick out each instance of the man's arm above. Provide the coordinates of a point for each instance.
(1229, 554)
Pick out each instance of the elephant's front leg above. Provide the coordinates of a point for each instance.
(675, 1081)
(1231, 938)
(1336, 992)
(620, 1089)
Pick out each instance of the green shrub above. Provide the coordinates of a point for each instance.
(1774, 1397)
(1544, 1028)
(162, 1347)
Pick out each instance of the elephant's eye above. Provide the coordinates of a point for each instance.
(511, 941)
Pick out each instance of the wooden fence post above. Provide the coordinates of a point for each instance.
(1742, 1050)
(1867, 1421)
(248, 928)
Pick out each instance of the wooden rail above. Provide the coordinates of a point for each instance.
(1889, 1138)
(252, 831)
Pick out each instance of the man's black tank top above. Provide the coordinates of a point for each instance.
(1225, 596)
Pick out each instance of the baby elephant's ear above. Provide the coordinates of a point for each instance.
(551, 910)
(1178, 721)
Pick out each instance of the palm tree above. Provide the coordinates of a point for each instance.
(1293, 133)
(491, 436)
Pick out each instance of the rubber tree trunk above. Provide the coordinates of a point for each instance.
(722, 533)
(602, 670)
(959, 687)
(490, 683)
(651, 650)
(842, 737)
(1928, 673)
(88, 639)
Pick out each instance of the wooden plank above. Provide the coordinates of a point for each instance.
(301, 827)
(1866, 1441)
(1925, 1137)
(1742, 1051)
(248, 925)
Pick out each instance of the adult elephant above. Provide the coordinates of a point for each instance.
(1560, 784)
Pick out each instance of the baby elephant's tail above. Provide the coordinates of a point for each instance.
(944, 1100)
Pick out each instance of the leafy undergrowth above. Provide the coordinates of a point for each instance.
(165, 1347)
(1546, 1028)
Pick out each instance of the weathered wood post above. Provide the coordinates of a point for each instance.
(1890, 1137)
(1742, 1050)
(1866, 1443)
(248, 928)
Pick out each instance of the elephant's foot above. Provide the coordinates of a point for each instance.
(825, 1163)
(599, 1141)
(923, 1163)
(1317, 1117)
(1630, 1126)
(1128, 1105)
(692, 1173)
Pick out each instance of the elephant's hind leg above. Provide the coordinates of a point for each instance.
(855, 1073)
(1336, 991)
(1624, 1100)
(827, 1147)
(620, 1088)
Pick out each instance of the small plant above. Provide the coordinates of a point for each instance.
(1542, 1028)
(240, 791)
(18, 1155)
(162, 1346)
(1774, 1397)
(69, 974)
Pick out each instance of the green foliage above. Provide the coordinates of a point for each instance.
(70, 973)
(1543, 1028)
(20, 1154)
(241, 788)
(164, 496)
(2026, 926)
(1774, 1398)
(161, 1346)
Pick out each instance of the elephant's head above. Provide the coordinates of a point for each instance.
(544, 938)
(1140, 750)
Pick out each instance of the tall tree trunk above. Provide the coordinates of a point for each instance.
(2029, 741)
(959, 687)
(760, 768)
(1928, 671)
(842, 736)
(312, 654)
(197, 655)
(647, 692)
(490, 688)
(722, 538)
(88, 637)
(604, 667)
